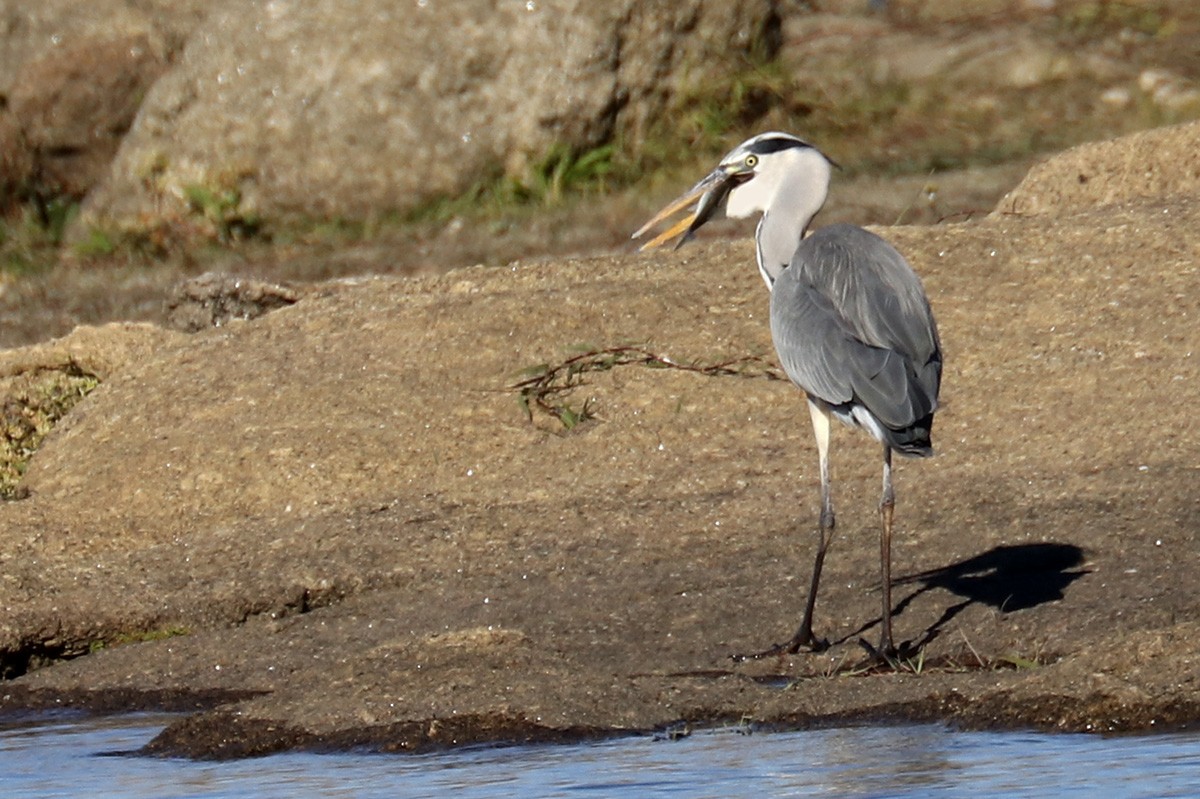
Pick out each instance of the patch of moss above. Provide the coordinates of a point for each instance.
(161, 634)
(28, 412)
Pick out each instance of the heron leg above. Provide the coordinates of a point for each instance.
(887, 505)
(804, 635)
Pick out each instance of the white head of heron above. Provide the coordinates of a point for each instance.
(776, 174)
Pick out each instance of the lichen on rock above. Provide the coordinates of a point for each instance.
(32, 404)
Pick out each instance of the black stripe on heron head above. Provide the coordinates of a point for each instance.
(773, 144)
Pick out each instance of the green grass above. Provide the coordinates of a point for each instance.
(97, 243)
(31, 238)
(562, 174)
(222, 209)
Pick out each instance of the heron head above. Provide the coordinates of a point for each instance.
(748, 180)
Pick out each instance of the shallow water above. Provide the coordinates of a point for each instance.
(65, 756)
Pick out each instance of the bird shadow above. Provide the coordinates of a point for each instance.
(1007, 578)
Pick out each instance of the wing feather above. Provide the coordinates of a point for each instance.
(852, 324)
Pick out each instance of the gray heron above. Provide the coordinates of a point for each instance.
(850, 321)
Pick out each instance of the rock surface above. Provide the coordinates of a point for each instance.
(303, 109)
(334, 525)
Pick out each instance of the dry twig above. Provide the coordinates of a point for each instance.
(547, 384)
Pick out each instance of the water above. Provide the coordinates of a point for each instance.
(64, 756)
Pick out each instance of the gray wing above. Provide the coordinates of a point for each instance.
(851, 323)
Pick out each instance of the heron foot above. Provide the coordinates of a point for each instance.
(889, 655)
(807, 642)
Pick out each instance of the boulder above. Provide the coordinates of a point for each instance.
(215, 299)
(72, 78)
(307, 110)
(1157, 163)
(339, 520)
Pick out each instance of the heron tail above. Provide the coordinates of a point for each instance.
(914, 440)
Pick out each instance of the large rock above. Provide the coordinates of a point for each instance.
(1158, 163)
(72, 77)
(306, 109)
(340, 515)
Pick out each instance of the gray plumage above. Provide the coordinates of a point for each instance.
(849, 318)
(852, 327)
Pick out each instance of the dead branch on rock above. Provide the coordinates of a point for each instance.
(547, 384)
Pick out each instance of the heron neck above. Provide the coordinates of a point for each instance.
(777, 238)
(791, 210)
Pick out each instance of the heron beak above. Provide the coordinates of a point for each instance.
(707, 196)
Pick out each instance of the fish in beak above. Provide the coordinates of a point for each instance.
(707, 196)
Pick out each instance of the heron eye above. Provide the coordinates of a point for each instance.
(752, 161)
